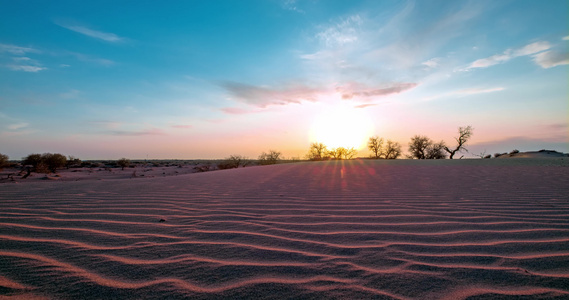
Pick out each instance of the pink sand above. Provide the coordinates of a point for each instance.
(343, 230)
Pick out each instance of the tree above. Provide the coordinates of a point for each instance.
(3, 161)
(73, 161)
(421, 147)
(232, 162)
(45, 163)
(317, 151)
(343, 153)
(392, 150)
(123, 163)
(270, 158)
(418, 146)
(54, 161)
(375, 144)
(464, 134)
(436, 151)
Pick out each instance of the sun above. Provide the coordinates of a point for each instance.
(342, 126)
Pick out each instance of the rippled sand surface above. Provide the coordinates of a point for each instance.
(321, 230)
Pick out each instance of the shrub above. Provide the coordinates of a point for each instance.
(421, 147)
(232, 162)
(3, 161)
(270, 158)
(123, 163)
(45, 163)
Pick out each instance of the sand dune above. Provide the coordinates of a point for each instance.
(323, 230)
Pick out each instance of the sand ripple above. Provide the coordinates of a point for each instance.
(343, 230)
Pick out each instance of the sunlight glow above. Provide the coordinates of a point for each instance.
(342, 126)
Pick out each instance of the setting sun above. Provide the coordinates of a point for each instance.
(342, 126)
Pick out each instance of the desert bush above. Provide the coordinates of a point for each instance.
(232, 162)
(270, 158)
(317, 151)
(45, 163)
(73, 162)
(3, 161)
(514, 151)
(123, 163)
(496, 155)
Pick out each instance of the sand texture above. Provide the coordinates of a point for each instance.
(322, 230)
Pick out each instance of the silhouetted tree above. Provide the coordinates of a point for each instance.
(418, 146)
(3, 161)
(73, 162)
(375, 144)
(270, 158)
(421, 147)
(436, 151)
(232, 162)
(343, 153)
(45, 163)
(317, 151)
(392, 150)
(464, 134)
(123, 163)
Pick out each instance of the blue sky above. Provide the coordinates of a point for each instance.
(207, 79)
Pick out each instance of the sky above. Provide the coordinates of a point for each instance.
(209, 79)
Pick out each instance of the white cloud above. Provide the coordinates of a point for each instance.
(342, 33)
(529, 49)
(464, 93)
(109, 37)
(532, 49)
(25, 68)
(17, 126)
(566, 38)
(17, 50)
(21, 58)
(550, 59)
(291, 5)
(432, 63)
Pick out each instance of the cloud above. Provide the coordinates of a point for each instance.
(105, 36)
(464, 93)
(550, 59)
(264, 96)
(26, 68)
(17, 50)
(474, 91)
(344, 32)
(566, 38)
(135, 133)
(291, 5)
(235, 111)
(356, 90)
(432, 63)
(18, 126)
(509, 54)
(364, 105)
(182, 126)
(90, 59)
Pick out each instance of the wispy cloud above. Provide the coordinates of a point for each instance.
(18, 126)
(264, 96)
(17, 50)
(566, 38)
(235, 111)
(341, 33)
(464, 93)
(358, 90)
(550, 59)
(365, 105)
(26, 68)
(291, 5)
(508, 55)
(181, 126)
(87, 58)
(135, 133)
(105, 36)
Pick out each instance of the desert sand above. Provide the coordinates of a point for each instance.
(462, 229)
